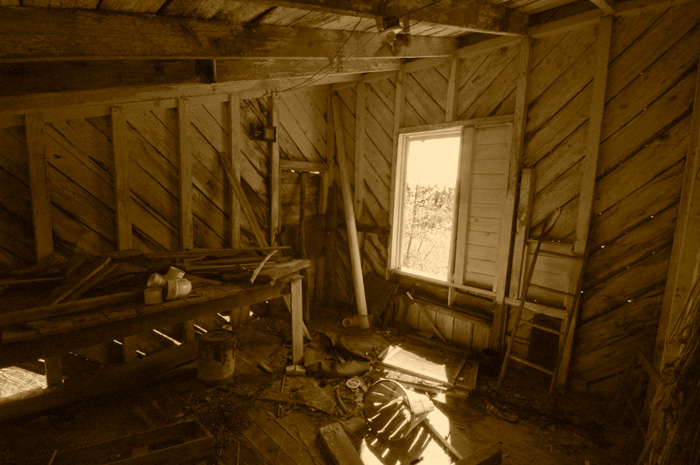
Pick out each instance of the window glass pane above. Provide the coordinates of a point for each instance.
(429, 205)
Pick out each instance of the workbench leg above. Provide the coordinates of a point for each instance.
(187, 331)
(53, 369)
(297, 322)
(129, 347)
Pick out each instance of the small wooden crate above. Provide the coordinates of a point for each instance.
(184, 443)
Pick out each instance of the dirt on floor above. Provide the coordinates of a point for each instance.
(529, 426)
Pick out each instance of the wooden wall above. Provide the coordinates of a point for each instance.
(645, 134)
(646, 126)
(80, 148)
(485, 85)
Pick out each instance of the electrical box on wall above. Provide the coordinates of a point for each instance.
(266, 133)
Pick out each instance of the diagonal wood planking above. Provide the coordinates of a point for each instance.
(16, 231)
(645, 136)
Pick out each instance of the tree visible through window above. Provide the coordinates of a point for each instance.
(428, 203)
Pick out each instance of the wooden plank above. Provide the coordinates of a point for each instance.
(399, 108)
(587, 192)
(121, 178)
(38, 34)
(452, 91)
(489, 455)
(38, 185)
(185, 173)
(360, 136)
(274, 149)
(463, 210)
(234, 153)
(682, 269)
(522, 229)
(297, 322)
(338, 445)
(515, 158)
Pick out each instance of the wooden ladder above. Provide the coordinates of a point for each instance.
(566, 315)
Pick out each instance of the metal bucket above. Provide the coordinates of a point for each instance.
(215, 362)
(392, 411)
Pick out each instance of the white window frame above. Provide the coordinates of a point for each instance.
(396, 214)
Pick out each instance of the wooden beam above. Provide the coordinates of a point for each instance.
(274, 149)
(185, 173)
(39, 186)
(587, 189)
(57, 106)
(517, 142)
(338, 445)
(53, 76)
(31, 34)
(485, 45)
(399, 108)
(121, 178)
(360, 121)
(605, 5)
(304, 166)
(685, 254)
(469, 15)
(355, 258)
(234, 154)
(327, 207)
(243, 69)
(567, 24)
(297, 304)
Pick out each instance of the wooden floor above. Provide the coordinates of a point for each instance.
(248, 429)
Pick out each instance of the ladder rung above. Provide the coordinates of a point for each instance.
(532, 365)
(539, 308)
(542, 327)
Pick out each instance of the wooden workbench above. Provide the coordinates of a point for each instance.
(52, 336)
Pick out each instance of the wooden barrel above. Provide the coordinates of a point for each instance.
(215, 361)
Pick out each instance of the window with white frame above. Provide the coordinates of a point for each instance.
(449, 193)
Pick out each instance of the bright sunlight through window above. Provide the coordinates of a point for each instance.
(428, 203)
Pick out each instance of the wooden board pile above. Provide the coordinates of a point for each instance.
(52, 289)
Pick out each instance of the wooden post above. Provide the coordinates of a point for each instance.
(53, 369)
(297, 321)
(355, 258)
(274, 148)
(234, 153)
(38, 185)
(498, 329)
(399, 104)
(360, 121)
(587, 192)
(452, 91)
(328, 205)
(185, 175)
(458, 259)
(121, 178)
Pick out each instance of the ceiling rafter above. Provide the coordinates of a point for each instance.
(468, 15)
(37, 34)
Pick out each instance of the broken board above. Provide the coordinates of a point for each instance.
(338, 445)
(435, 364)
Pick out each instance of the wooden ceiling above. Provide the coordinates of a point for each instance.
(116, 41)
